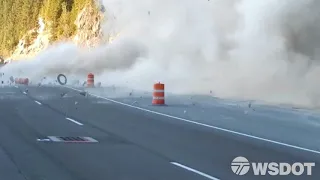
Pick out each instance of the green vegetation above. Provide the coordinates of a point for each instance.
(17, 17)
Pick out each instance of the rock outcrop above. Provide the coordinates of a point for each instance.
(32, 43)
(89, 33)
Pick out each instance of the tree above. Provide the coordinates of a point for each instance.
(64, 30)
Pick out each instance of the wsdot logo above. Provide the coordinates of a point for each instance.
(240, 166)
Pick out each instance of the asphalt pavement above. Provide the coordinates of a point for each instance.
(50, 133)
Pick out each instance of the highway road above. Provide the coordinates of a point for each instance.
(55, 133)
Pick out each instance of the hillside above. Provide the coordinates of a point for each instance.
(28, 26)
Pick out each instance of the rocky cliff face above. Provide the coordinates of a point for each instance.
(89, 34)
(32, 43)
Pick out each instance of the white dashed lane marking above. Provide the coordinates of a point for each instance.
(38, 102)
(74, 121)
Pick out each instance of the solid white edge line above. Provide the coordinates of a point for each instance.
(74, 121)
(38, 102)
(206, 125)
(194, 171)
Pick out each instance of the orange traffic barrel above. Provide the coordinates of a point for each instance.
(25, 81)
(90, 80)
(158, 94)
(20, 81)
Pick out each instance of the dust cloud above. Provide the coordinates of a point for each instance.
(251, 49)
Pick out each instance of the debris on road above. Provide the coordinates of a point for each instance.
(131, 93)
(63, 94)
(11, 79)
(135, 102)
(84, 93)
(75, 103)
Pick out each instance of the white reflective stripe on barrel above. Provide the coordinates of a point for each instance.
(158, 97)
(158, 90)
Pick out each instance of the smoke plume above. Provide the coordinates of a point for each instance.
(252, 49)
